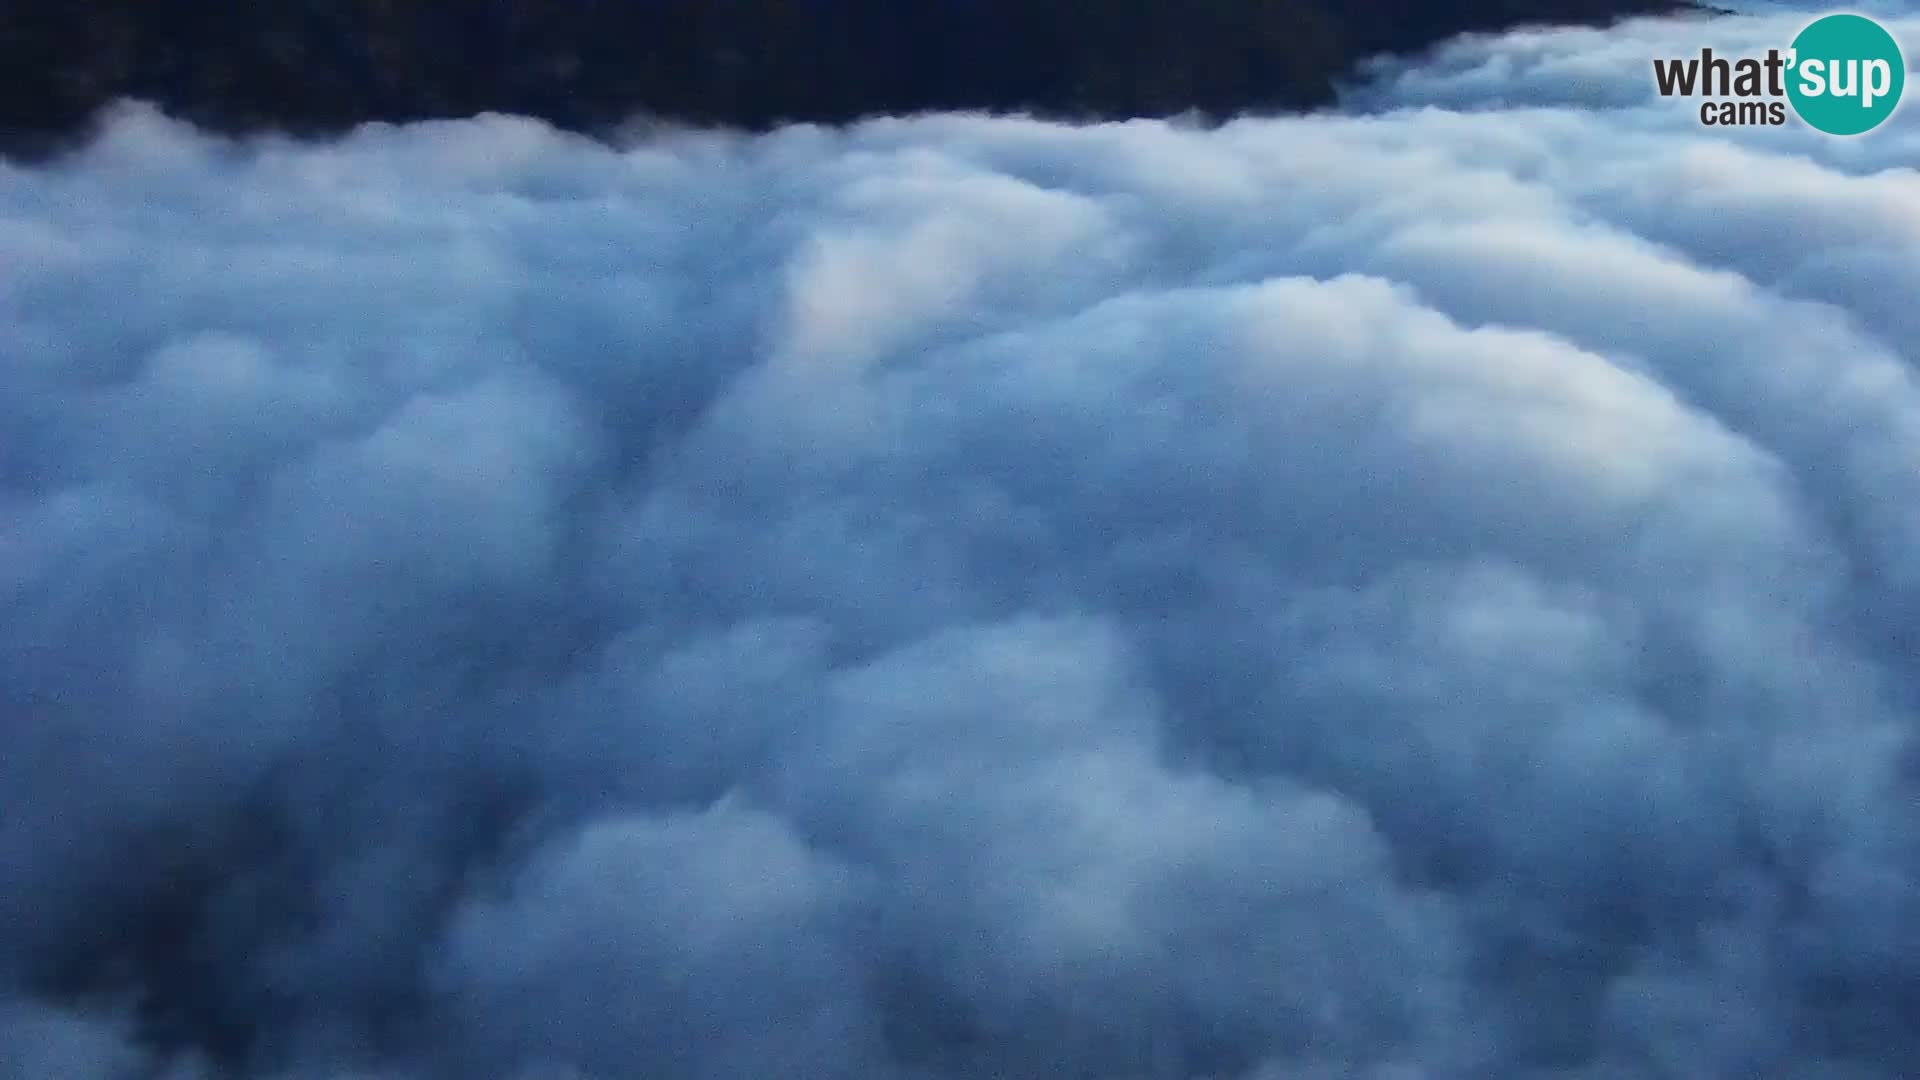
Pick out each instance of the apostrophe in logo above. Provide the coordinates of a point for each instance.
(1848, 73)
(1842, 75)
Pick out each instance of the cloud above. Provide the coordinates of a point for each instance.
(1418, 591)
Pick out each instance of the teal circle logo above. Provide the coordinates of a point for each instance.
(1846, 74)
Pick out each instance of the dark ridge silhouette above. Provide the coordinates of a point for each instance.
(315, 66)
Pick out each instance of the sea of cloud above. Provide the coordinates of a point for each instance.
(1424, 591)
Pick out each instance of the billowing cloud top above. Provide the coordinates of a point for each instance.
(1426, 591)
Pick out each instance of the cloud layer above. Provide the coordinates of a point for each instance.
(1427, 591)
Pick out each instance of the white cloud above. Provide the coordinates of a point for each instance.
(1419, 591)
